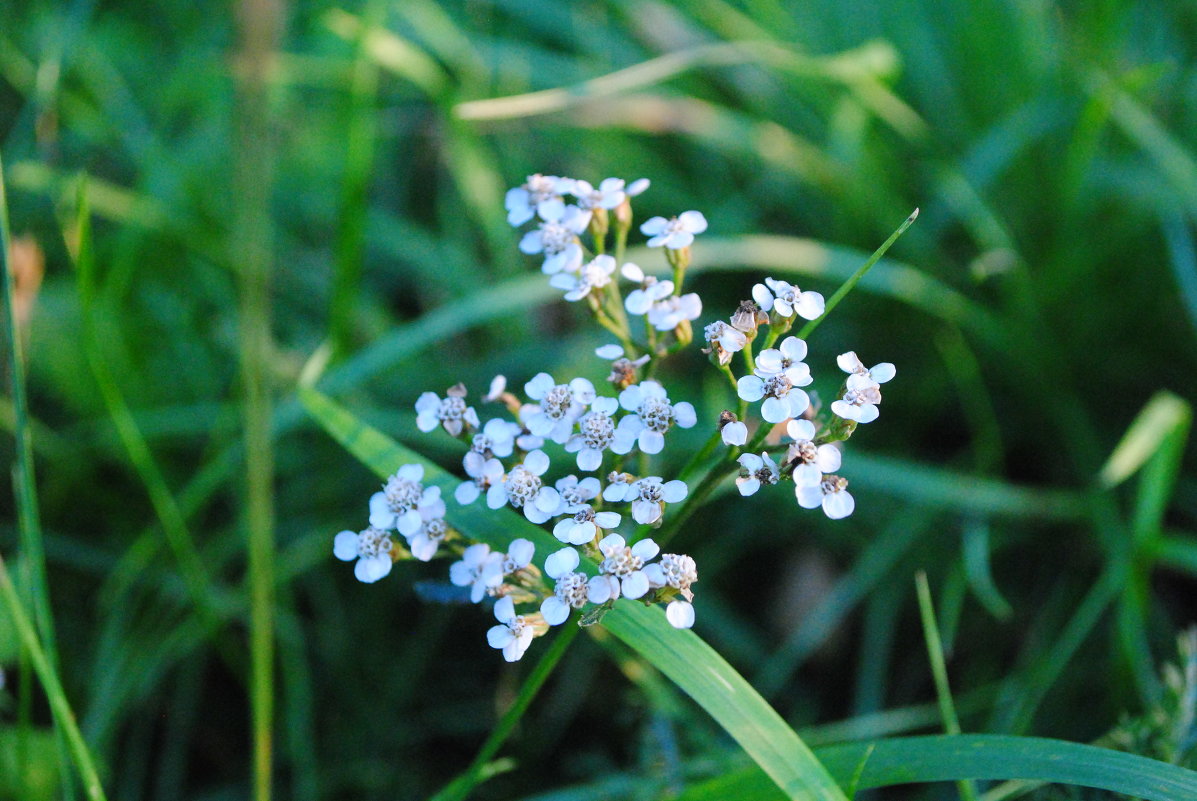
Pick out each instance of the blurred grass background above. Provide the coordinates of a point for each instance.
(1047, 293)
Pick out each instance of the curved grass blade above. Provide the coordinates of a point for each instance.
(914, 760)
(681, 655)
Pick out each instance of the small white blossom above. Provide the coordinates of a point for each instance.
(523, 489)
(831, 493)
(861, 377)
(782, 399)
(596, 433)
(622, 570)
(648, 496)
(557, 237)
(585, 525)
(372, 550)
(592, 275)
(497, 438)
(652, 415)
(522, 202)
(755, 471)
(724, 340)
(513, 635)
(668, 313)
(785, 299)
(675, 233)
(519, 556)
(617, 488)
(575, 495)
(480, 569)
(677, 571)
(424, 542)
(404, 503)
(609, 194)
(810, 461)
(651, 290)
(450, 411)
(559, 405)
(734, 433)
(787, 360)
(483, 472)
(859, 405)
(571, 590)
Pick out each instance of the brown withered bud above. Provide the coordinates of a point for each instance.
(725, 417)
(748, 318)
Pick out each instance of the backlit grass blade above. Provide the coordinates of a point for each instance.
(915, 760)
(680, 655)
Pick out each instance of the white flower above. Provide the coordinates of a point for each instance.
(680, 614)
(785, 299)
(559, 405)
(497, 438)
(622, 569)
(610, 193)
(782, 399)
(498, 385)
(484, 474)
(785, 359)
(734, 433)
(639, 301)
(596, 432)
(404, 503)
(479, 569)
(428, 538)
(557, 237)
(584, 526)
(810, 462)
(755, 471)
(571, 590)
(652, 415)
(519, 555)
(677, 571)
(724, 340)
(372, 550)
(575, 495)
(513, 635)
(675, 233)
(860, 377)
(618, 487)
(648, 496)
(831, 493)
(594, 274)
(523, 489)
(668, 313)
(450, 412)
(538, 191)
(859, 405)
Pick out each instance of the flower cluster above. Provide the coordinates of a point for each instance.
(609, 438)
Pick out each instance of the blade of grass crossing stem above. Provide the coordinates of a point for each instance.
(679, 654)
(460, 787)
(847, 286)
(29, 524)
(361, 128)
(64, 718)
(916, 760)
(259, 31)
(174, 525)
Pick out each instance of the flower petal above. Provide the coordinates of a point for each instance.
(561, 562)
(345, 546)
(680, 614)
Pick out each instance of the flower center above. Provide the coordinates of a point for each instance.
(555, 237)
(623, 373)
(585, 516)
(483, 445)
(516, 624)
(765, 475)
(571, 589)
(679, 569)
(833, 484)
(651, 491)
(778, 386)
(804, 451)
(373, 542)
(572, 495)
(522, 486)
(597, 431)
(656, 415)
(622, 563)
(857, 397)
(539, 189)
(452, 408)
(557, 401)
(402, 495)
(436, 529)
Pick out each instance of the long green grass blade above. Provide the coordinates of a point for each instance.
(680, 655)
(916, 760)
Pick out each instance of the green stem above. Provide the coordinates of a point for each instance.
(848, 285)
(64, 718)
(700, 457)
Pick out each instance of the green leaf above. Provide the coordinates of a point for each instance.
(912, 760)
(681, 655)
(1160, 420)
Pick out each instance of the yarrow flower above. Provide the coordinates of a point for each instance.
(786, 359)
(622, 570)
(484, 473)
(651, 416)
(514, 633)
(831, 493)
(782, 399)
(523, 202)
(571, 590)
(756, 471)
(676, 232)
(592, 275)
(450, 411)
(609, 194)
(640, 301)
(480, 569)
(858, 405)
(524, 490)
(670, 312)
(724, 341)
(810, 461)
(585, 525)
(557, 236)
(648, 496)
(596, 433)
(372, 550)
(679, 572)
(861, 377)
(785, 299)
(559, 405)
(404, 504)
